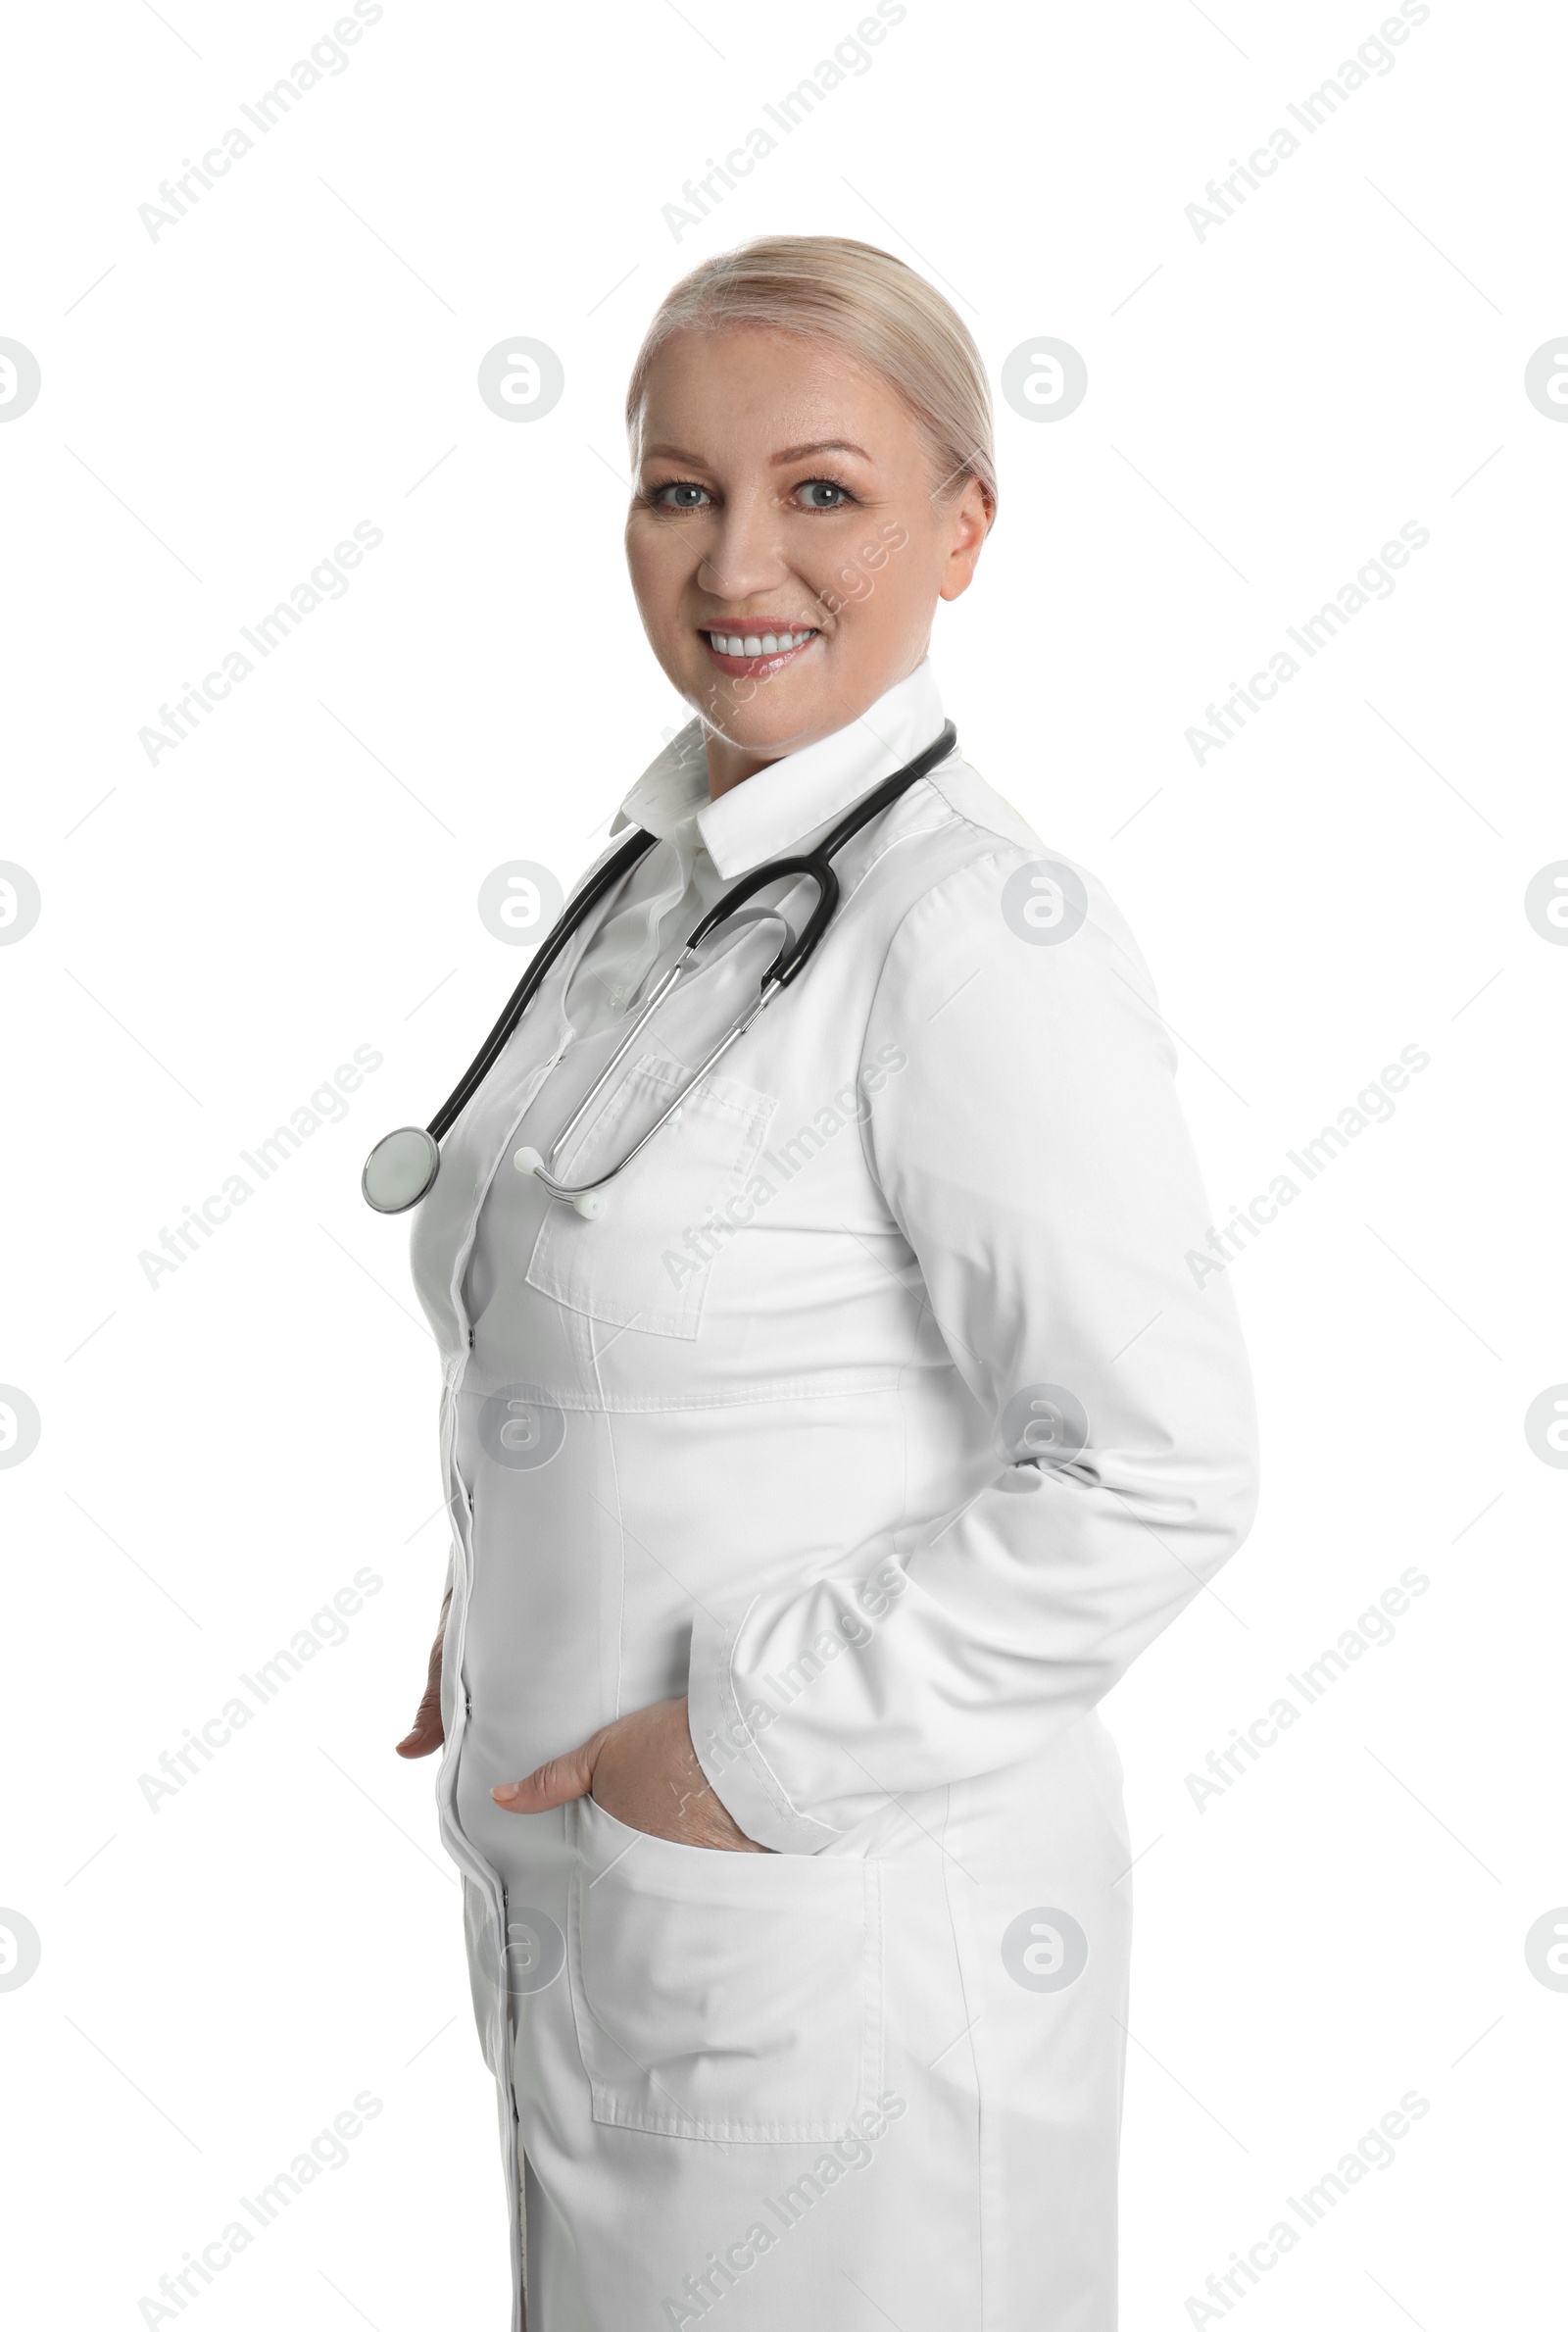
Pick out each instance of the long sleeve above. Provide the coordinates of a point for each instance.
(1033, 1155)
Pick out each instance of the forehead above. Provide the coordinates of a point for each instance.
(757, 388)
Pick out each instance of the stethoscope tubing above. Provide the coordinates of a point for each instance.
(787, 965)
(791, 960)
(579, 1190)
(404, 1165)
(570, 921)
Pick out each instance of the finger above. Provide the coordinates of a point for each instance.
(552, 1783)
(426, 1733)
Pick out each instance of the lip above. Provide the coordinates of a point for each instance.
(755, 667)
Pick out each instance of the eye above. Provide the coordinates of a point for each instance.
(678, 494)
(811, 488)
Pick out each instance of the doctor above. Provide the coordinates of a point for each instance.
(807, 1501)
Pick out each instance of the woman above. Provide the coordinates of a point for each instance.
(809, 1499)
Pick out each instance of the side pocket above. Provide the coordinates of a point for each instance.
(727, 1996)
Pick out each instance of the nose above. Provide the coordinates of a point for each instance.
(745, 559)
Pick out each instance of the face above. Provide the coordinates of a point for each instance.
(786, 543)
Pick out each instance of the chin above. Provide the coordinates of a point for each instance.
(776, 723)
(777, 717)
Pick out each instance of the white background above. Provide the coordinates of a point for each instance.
(221, 1452)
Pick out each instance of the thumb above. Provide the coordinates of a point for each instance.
(426, 1734)
(570, 1775)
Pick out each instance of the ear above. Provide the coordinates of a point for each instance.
(968, 521)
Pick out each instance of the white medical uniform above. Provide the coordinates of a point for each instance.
(880, 1414)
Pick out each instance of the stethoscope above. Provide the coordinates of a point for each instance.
(404, 1165)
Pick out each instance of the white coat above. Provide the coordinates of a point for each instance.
(882, 1415)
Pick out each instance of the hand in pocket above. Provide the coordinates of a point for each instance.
(644, 1770)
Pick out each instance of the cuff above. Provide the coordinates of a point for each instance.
(729, 1744)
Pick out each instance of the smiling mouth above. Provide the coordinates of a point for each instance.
(747, 655)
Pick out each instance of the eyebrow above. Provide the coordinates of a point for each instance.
(823, 445)
(792, 452)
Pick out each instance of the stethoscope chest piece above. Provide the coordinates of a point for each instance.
(399, 1169)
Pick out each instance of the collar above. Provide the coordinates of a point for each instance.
(764, 815)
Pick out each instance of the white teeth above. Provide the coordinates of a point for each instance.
(752, 643)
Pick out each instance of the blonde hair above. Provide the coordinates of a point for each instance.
(869, 305)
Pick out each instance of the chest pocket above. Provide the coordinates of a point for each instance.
(645, 1262)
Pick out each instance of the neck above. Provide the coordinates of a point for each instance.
(731, 764)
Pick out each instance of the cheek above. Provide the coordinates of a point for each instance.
(658, 567)
(882, 588)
